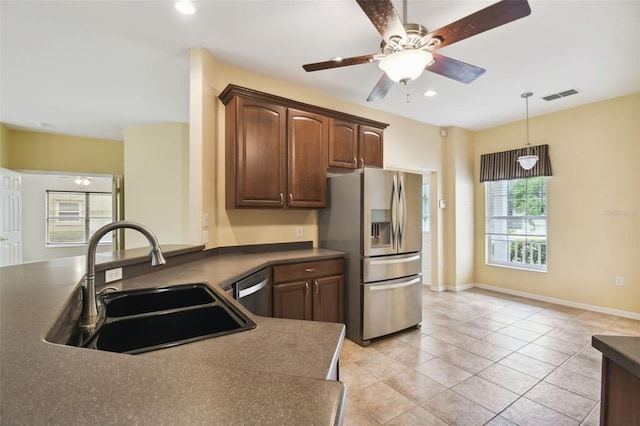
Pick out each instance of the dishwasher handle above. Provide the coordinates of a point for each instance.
(254, 288)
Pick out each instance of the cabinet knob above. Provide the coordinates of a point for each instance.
(310, 269)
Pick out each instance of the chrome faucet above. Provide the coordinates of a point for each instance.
(90, 313)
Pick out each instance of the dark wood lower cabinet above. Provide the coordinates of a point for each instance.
(309, 291)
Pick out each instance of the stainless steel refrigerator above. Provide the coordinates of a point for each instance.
(375, 216)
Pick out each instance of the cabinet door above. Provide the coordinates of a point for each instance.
(292, 300)
(260, 154)
(370, 146)
(328, 299)
(307, 153)
(343, 144)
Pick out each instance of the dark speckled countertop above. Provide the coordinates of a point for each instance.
(272, 375)
(623, 350)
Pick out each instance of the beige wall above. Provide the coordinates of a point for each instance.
(409, 143)
(593, 204)
(53, 152)
(4, 146)
(156, 182)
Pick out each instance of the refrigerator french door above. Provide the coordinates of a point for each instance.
(375, 217)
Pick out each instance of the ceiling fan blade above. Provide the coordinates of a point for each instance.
(384, 17)
(490, 17)
(454, 69)
(382, 88)
(337, 63)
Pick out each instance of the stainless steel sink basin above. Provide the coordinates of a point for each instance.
(139, 321)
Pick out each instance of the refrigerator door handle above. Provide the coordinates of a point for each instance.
(396, 285)
(402, 211)
(394, 212)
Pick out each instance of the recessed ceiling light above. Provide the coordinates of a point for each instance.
(44, 125)
(186, 7)
(430, 93)
(337, 59)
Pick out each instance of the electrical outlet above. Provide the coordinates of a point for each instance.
(619, 281)
(111, 275)
(299, 231)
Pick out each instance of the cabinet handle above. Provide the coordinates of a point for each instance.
(290, 198)
(315, 284)
(306, 288)
(355, 162)
(281, 198)
(361, 163)
(310, 269)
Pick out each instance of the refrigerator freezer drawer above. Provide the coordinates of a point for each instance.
(389, 267)
(391, 306)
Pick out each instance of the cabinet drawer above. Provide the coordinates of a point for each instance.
(303, 271)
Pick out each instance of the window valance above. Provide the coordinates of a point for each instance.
(504, 165)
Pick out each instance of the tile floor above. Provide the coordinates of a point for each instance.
(482, 357)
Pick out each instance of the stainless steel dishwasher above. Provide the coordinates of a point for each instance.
(254, 293)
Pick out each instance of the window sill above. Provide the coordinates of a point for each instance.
(513, 266)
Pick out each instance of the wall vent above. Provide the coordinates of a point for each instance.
(559, 95)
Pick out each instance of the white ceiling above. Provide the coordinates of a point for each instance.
(91, 68)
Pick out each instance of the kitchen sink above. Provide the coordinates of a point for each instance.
(139, 321)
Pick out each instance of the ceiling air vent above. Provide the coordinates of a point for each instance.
(560, 95)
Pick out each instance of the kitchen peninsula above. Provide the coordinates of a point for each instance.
(278, 373)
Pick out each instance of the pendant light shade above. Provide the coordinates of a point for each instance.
(529, 160)
(405, 65)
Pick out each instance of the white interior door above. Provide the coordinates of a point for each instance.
(10, 220)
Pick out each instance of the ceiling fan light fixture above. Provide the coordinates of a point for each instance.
(405, 65)
(82, 181)
(185, 7)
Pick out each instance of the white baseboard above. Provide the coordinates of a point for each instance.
(451, 287)
(564, 302)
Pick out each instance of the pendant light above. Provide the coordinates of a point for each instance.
(529, 160)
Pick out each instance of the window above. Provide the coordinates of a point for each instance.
(426, 208)
(72, 217)
(516, 223)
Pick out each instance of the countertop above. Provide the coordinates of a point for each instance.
(623, 350)
(274, 374)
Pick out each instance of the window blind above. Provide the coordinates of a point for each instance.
(504, 165)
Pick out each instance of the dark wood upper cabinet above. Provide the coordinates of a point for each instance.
(307, 152)
(277, 150)
(370, 146)
(353, 146)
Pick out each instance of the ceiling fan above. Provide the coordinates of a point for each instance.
(408, 49)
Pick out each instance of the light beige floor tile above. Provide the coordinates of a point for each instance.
(581, 338)
(489, 395)
(487, 323)
(466, 360)
(559, 345)
(527, 365)
(381, 365)
(505, 341)
(584, 366)
(471, 330)
(503, 318)
(408, 355)
(533, 326)
(624, 326)
(593, 419)
(549, 318)
(453, 337)
(543, 354)
(442, 372)
(416, 417)
(487, 350)
(525, 412)
(356, 378)
(561, 400)
(520, 333)
(574, 382)
(355, 416)
(381, 402)
(415, 386)
(432, 345)
(352, 352)
(513, 311)
(457, 410)
(509, 378)
(499, 421)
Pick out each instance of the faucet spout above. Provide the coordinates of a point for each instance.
(90, 312)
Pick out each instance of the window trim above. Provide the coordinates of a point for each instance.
(526, 237)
